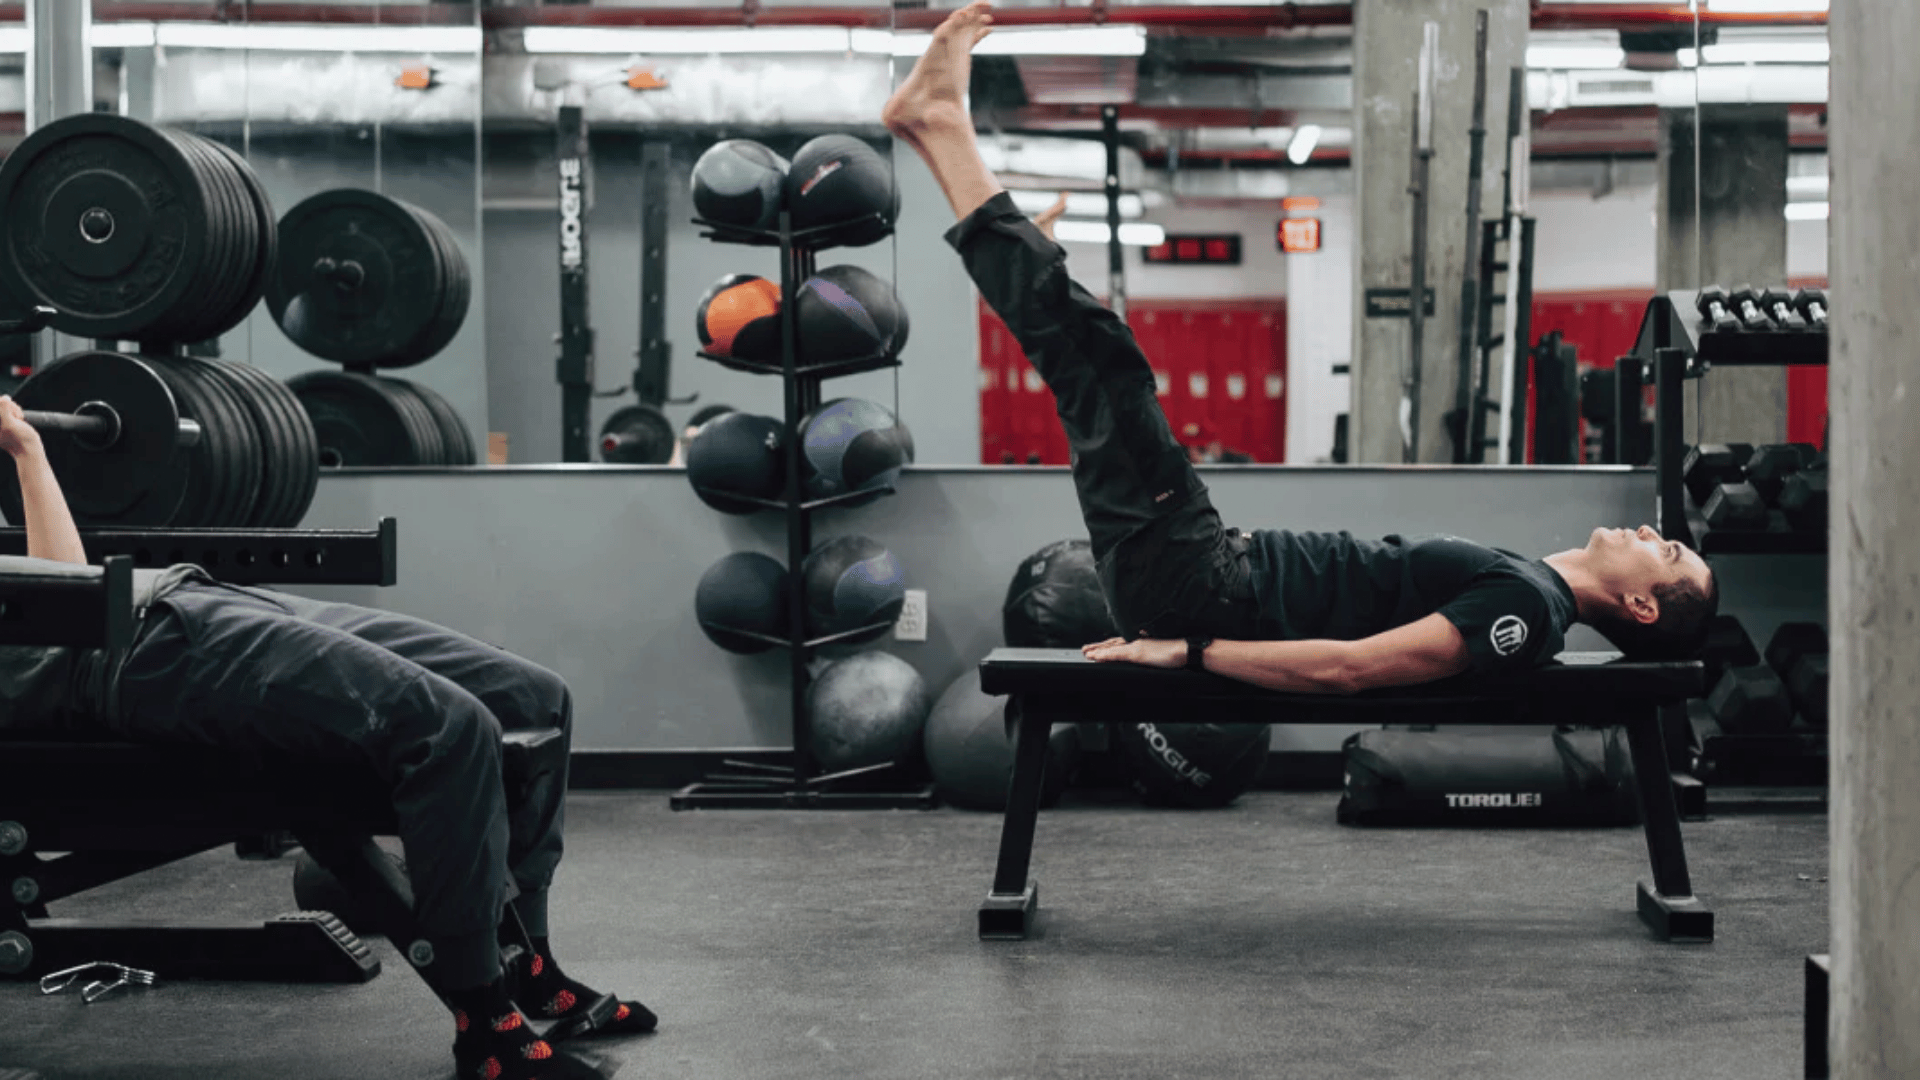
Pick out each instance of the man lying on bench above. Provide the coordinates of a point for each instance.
(1301, 612)
(266, 675)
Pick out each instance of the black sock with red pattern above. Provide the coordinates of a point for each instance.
(547, 994)
(493, 1041)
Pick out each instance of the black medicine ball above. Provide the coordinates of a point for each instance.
(1193, 766)
(853, 445)
(846, 313)
(868, 709)
(841, 185)
(745, 591)
(737, 453)
(851, 582)
(1055, 600)
(739, 182)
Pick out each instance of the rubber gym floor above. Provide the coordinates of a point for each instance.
(1262, 940)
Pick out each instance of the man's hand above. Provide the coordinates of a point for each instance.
(1146, 651)
(16, 438)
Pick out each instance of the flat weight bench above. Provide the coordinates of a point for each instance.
(1048, 686)
(104, 811)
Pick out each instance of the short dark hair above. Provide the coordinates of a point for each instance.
(1686, 610)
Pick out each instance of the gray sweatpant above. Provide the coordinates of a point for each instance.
(266, 675)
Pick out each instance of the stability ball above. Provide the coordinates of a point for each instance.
(867, 709)
(969, 749)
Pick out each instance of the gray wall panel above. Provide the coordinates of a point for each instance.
(590, 570)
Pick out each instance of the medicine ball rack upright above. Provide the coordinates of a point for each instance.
(749, 785)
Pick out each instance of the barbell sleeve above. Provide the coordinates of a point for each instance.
(99, 425)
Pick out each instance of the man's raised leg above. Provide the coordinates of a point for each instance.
(1164, 557)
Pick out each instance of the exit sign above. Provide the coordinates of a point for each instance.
(1221, 250)
(1297, 235)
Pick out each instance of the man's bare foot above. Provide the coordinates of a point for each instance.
(935, 92)
(1051, 214)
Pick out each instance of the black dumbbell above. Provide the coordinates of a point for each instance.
(1797, 652)
(1778, 306)
(1807, 686)
(1712, 303)
(1746, 304)
(1751, 701)
(1770, 465)
(1727, 646)
(1735, 506)
(1804, 499)
(1812, 303)
(1709, 465)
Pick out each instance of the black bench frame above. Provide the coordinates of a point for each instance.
(75, 815)
(1046, 686)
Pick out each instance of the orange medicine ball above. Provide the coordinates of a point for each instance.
(731, 306)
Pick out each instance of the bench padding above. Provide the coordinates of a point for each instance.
(1574, 676)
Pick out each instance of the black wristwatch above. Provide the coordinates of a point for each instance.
(1197, 653)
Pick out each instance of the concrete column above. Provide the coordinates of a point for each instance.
(1873, 570)
(59, 62)
(1386, 51)
(1738, 238)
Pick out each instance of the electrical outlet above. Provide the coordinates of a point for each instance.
(913, 617)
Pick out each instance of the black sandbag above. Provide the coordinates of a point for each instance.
(1564, 776)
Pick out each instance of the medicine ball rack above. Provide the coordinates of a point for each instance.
(1676, 345)
(744, 785)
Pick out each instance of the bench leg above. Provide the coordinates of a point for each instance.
(1819, 974)
(1668, 907)
(1008, 912)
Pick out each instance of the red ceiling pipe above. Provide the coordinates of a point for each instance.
(1658, 17)
(1546, 16)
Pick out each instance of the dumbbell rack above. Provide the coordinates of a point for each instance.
(1675, 345)
(746, 785)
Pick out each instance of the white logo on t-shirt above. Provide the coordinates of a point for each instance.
(1508, 634)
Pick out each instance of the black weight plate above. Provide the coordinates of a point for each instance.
(292, 469)
(235, 447)
(426, 431)
(262, 443)
(275, 454)
(652, 434)
(421, 348)
(248, 443)
(306, 449)
(369, 320)
(265, 232)
(203, 462)
(453, 428)
(145, 237)
(355, 421)
(138, 482)
(452, 311)
(194, 319)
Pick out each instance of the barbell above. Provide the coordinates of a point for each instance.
(96, 426)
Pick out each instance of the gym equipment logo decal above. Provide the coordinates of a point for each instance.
(1508, 634)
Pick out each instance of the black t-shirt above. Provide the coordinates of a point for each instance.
(1513, 611)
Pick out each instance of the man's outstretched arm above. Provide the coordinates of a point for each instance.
(1423, 651)
(50, 530)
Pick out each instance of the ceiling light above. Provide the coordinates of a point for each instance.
(1574, 57)
(1300, 150)
(1769, 52)
(1807, 211)
(121, 35)
(13, 39)
(321, 39)
(653, 42)
(1072, 41)
(1133, 234)
(1079, 203)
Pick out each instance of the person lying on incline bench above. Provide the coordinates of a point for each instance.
(1302, 612)
(264, 674)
